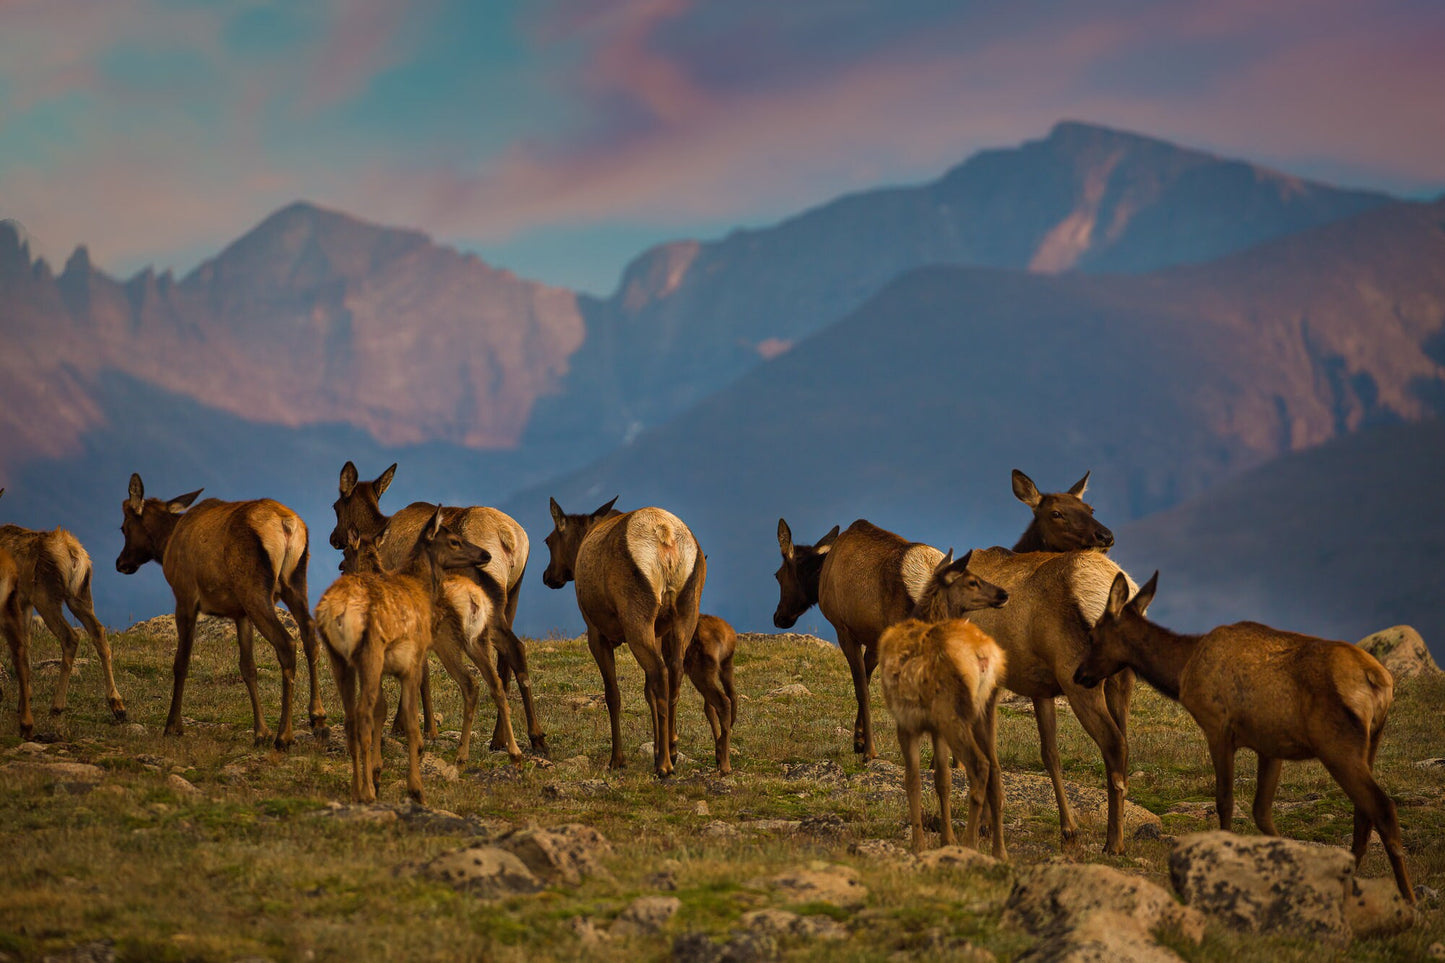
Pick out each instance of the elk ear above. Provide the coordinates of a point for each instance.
(434, 527)
(826, 542)
(1080, 486)
(381, 535)
(181, 502)
(941, 570)
(1145, 595)
(785, 539)
(353, 538)
(383, 481)
(348, 479)
(962, 564)
(1118, 596)
(137, 498)
(1025, 490)
(606, 508)
(559, 517)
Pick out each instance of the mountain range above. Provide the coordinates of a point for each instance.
(1174, 321)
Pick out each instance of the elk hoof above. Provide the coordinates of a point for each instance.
(27, 732)
(174, 729)
(617, 762)
(117, 709)
(417, 796)
(497, 744)
(57, 710)
(539, 747)
(283, 742)
(1114, 849)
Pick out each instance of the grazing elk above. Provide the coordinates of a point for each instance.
(470, 604)
(232, 559)
(866, 580)
(504, 539)
(1063, 521)
(940, 679)
(639, 580)
(52, 570)
(17, 636)
(1282, 694)
(1053, 600)
(378, 622)
(708, 662)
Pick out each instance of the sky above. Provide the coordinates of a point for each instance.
(560, 138)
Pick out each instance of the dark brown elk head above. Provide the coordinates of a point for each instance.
(441, 549)
(566, 538)
(359, 506)
(361, 553)
(953, 590)
(1110, 640)
(1063, 521)
(798, 575)
(147, 524)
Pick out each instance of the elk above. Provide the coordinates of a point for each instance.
(708, 662)
(469, 605)
(231, 559)
(863, 581)
(639, 579)
(940, 679)
(53, 569)
(378, 622)
(504, 539)
(1062, 522)
(1053, 600)
(17, 636)
(1282, 694)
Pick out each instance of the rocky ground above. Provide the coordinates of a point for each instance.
(123, 844)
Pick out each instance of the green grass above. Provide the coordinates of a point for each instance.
(257, 866)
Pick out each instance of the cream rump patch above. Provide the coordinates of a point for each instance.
(662, 548)
(1090, 580)
(917, 569)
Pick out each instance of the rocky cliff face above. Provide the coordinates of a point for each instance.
(313, 317)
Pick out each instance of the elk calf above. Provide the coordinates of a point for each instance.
(1282, 694)
(708, 662)
(232, 559)
(940, 678)
(639, 580)
(359, 507)
(374, 623)
(469, 614)
(53, 569)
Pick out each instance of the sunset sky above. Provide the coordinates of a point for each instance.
(559, 139)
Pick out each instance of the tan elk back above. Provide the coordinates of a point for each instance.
(234, 560)
(939, 679)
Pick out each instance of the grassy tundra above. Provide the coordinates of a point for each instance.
(259, 864)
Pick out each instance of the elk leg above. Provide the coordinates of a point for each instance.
(244, 642)
(410, 693)
(447, 644)
(985, 735)
(862, 723)
(270, 627)
(504, 675)
(718, 708)
(368, 750)
(17, 637)
(672, 655)
(731, 691)
(1118, 694)
(606, 659)
(644, 645)
(1354, 776)
(84, 609)
(942, 786)
(377, 728)
(345, 677)
(487, 659)
(913, 783)
(1264, 790)
(1093, 713)
(185, 636)
(1221, 752)
(1047, 719)
(293, 593)
(54, 620)
(507, 643)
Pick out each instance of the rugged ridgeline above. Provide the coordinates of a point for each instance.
(913, 410)
(311, 318)
(689, 317)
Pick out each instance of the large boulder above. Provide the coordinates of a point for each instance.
(562, 854)
(1265, 884)
(484, 871)
(1085, 912)
(1401, 650)
(820, 882)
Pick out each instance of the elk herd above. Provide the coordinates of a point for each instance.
(1053, 616)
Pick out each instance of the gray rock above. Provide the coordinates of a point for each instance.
(825, 770)
(587, 931)
(720, 829)
(96, 951)
(1401, 650)
(956, 857)
(744, 947)
(563, 854)
(646, 915)
(484, 871)
(434, 767)
(69, 772)
(880, 849)
(793, 690)
(1374, 907)
(1265, 884)
(781, 923)
(820, 883)
(181, 786)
